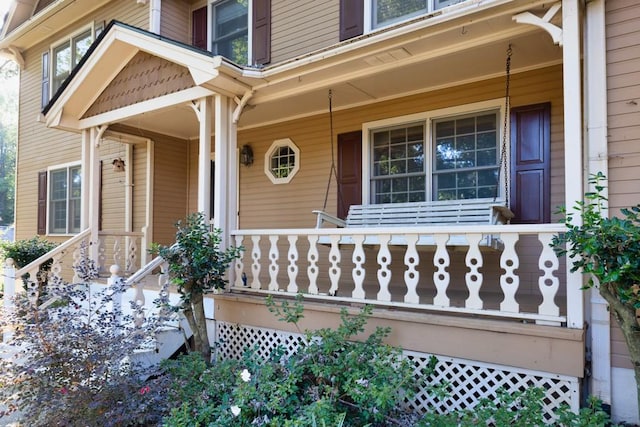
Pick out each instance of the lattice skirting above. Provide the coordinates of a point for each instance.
(469, 381)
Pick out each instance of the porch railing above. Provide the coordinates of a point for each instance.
(523, 279)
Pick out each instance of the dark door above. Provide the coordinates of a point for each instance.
(349, 171)
(531, 164)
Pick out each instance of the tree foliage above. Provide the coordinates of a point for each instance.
(607, 249)
(197, 265)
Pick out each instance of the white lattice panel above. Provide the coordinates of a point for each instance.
(468, 381)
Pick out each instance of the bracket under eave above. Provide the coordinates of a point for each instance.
(543, 22)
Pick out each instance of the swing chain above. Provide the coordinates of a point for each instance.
(503, 153)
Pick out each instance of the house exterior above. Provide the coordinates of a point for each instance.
(257, 112)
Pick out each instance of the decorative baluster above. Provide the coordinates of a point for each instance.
(411, 275)
(441, 276)
(117, 250)
(509, 281)
(474, 278)
(358, 259)
(384, 273)
(312, 269)
(32, 285)
(139, 302)
(548, 283)
(102, 256)
(274, 255)
(241, 277)
(132, 254)
(293, 264)
(163, 286)
(334, 259)
(255, 265)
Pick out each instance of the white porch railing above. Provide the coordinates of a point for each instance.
(126, 249)
(524, 280)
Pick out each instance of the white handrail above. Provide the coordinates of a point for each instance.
(58, 249)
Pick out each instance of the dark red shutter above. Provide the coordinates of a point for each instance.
(351, 18)
(261, 22)
(531, 164)
(42, 202)
(349, 171)
(45, 80)
(199, 28)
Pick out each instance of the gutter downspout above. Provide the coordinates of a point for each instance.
(595, 92)
(155, 9)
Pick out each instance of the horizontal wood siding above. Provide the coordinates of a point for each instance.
(302, 26)
(113, 185)
(623, 99)
(175, 20)
(169, 186)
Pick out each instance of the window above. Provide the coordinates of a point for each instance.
(387, 12)
(448, 154)
(58, 62)
(229, 37)
(64, 200)
(282, 161)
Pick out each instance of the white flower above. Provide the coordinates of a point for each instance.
(363, 382)
(235, 410)
(246, 376)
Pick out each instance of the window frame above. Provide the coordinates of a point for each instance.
(49, 75)
(428, 118)
(210, 27)
(370, 7)
(69, 229)
(279, 143)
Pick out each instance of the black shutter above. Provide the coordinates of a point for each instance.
(199, 28)
(261, 24)
(351, 18)
(531, 164)
(45, 80)
(42, 202)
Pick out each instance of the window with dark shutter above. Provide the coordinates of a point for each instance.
(199, 28)
(45, 80)
(261, 22)
(42, 202)
(351, 18)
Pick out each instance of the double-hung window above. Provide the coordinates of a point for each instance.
(387, 12)
(63, 56)
(230, 29)
(449, 154)
(64, 200)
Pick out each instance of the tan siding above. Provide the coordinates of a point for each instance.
(175, 21)
(40, 147)
(623, 91)
(169, 187)
(113, 185)
(302, 26)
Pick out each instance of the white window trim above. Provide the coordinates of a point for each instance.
(427, 118)
(48, 212)
(69, 39)
(249, 27)
(267, 160)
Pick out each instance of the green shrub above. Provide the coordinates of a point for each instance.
(25, 251)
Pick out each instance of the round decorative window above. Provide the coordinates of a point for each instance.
(282, 161)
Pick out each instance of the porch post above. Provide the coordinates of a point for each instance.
(203, 111)
(226, 167)
(94, 187)
(85, 168)
(596, 116)
(573, 154)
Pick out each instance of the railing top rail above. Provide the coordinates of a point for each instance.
(452, 230)
(144, 271)
(44, 258)
(120, 233)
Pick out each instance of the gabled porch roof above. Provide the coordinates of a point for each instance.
(469, 44)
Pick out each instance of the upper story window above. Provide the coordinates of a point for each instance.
(64, 200)
(387, 12)
(230, 29)
(448, 154)
(62, 57)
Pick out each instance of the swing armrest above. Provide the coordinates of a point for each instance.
(323, 216)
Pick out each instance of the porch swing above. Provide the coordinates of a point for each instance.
(441, 213)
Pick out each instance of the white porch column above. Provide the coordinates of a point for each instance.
(203, 111)
(93, 182)
(225, 209)
(596, 117)
(85, 200)
(573, 157)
